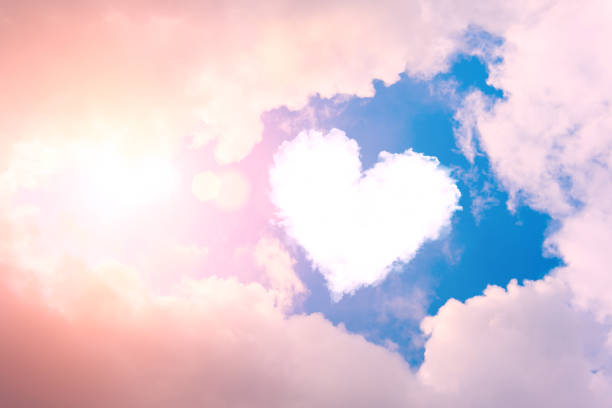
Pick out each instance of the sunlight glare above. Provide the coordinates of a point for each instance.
(114, 182)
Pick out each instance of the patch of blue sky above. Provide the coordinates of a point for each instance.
(478, 41)
(486, 245)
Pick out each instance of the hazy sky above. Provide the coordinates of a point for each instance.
(305, 204)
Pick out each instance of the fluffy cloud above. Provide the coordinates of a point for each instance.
(275, 260)
(108, 341)
(203, 69)
(98, 338)
(208, 69)
(550, 139)
(147, 76)
(527, 346)
(352, 223)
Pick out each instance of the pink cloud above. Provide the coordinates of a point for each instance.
(82, 325)
(217, 343)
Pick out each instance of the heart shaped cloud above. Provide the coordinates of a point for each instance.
(355, 225)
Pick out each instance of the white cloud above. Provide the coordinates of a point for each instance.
(208, 338)
(277, 263)
(202, 68)
(527, 346)
(550, 143)
(214, 342)
(352, 223)
(550, 139)
(208, 69)
(552, 134)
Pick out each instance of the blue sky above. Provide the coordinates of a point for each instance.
(484, 246)
(292, 204)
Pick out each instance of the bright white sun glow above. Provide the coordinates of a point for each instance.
(114, 182)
